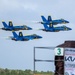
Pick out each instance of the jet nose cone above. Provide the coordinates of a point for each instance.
(70, 29)
(66, 21)
(30, 28)
(40, 36)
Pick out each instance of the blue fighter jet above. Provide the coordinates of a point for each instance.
(53, 22)
(20, 37)
(10, 27)
(51, 28)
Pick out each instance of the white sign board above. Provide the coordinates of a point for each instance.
(69, 61)
(59, 51)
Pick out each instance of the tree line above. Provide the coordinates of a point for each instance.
(23, 72)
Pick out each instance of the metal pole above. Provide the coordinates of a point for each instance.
(34, 60)
(64, 61)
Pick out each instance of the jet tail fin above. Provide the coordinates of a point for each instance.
(14, 34)
(43, 18)
(20, 34)
(10, 23)
(4, 24)
(45, 26)
(49, 18)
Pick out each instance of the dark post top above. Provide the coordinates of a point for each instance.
(69, 44)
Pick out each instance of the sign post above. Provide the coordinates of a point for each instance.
(59, 61)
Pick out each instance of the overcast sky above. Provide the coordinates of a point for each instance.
(19, 55)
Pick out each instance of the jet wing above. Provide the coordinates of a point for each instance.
(24, 27)
(33, 36)
(28, 37)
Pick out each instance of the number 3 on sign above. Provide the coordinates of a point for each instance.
(59, 51)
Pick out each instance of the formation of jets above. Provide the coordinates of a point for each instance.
(48, 27)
